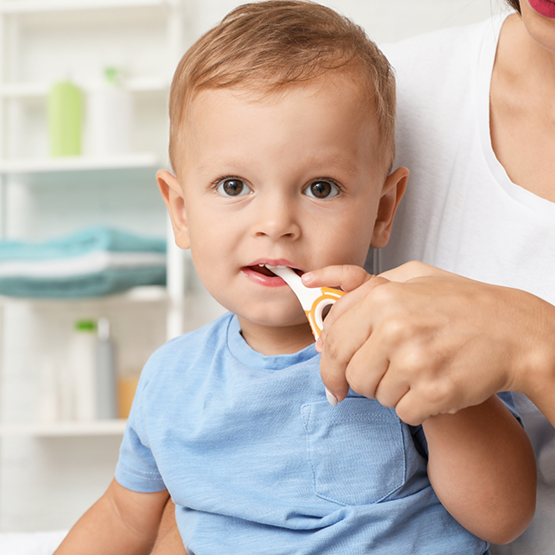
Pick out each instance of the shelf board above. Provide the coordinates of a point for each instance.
(65, 429)
(39, 91)
(143, 294)
(78, 163)
(40, 6)
(24, 91)
(82, 170)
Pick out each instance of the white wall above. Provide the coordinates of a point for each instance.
(384, 20)
(40, 492)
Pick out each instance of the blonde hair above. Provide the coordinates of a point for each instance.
(270, 45)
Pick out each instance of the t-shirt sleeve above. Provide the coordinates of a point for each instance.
(136, 468)
(509, 401)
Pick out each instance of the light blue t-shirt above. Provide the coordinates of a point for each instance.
(258, 462)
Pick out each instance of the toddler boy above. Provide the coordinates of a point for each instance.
(282, 142)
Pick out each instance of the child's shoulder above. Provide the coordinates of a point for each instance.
(214, 329)
(192, 345)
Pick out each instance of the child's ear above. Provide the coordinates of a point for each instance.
(392, 192)
(175, 203)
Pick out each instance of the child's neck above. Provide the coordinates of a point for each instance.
(271, 341)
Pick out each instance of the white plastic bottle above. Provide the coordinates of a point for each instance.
(83, 369)
(49, 397)
(110, 117)
(106, 384)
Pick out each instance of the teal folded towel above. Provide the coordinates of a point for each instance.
(93, 262)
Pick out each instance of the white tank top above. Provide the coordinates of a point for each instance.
(461, 211)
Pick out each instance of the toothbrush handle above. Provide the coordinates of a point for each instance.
(315, 315)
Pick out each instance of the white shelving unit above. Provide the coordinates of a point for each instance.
(66, 429)
(36, 167)
(41, 42)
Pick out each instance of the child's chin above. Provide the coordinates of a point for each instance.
(274, 320)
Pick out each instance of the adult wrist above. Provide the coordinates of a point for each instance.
(537, 371)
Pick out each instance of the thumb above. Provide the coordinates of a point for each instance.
(412, 270)
(345, 276)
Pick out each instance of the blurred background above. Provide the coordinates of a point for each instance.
(87, 287)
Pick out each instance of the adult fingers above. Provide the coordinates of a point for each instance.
(350, 279)
(412, 412)
(345, 334)
(346, 303)
(415, 406)
(367, 367)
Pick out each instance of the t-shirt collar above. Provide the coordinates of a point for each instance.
(249, 357)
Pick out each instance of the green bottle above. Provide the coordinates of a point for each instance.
(65, 109)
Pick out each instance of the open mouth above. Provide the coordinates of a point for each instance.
(265, 271)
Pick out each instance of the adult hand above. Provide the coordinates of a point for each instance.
(427, 342)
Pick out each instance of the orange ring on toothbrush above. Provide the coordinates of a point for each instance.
(315, 314)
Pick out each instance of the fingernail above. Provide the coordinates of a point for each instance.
(318, 345)
(332, 399)
(306, 278)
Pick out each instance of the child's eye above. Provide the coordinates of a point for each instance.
(233, 187)
(322, 189)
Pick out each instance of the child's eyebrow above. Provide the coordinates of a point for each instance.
(321, 164)
(222, 165)
(332, 162)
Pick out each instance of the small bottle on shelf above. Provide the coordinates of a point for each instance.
(110, 116)
(83, 368)
(127, 386)
(106, 402)
(49, 401)
(65, 107)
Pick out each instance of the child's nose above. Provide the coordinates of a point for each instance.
(276, 219)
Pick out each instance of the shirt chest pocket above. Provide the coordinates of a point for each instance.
(356, 450)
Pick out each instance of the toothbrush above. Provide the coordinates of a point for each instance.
(314, 302)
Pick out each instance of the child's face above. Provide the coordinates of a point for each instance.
(291, 180)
